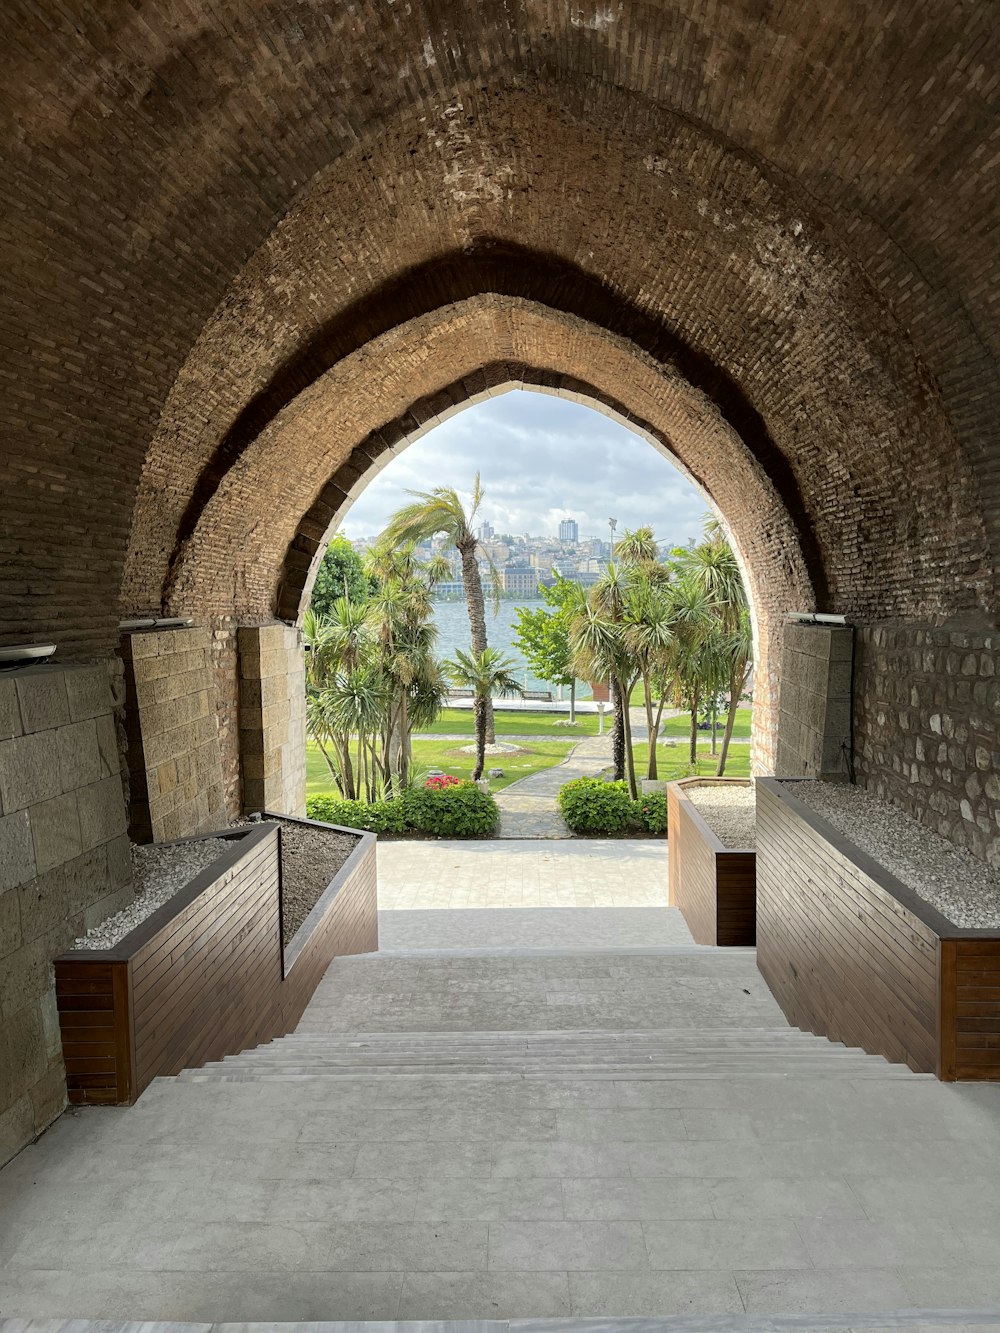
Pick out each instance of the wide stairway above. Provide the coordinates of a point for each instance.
(660, 1014)
(533, 1133)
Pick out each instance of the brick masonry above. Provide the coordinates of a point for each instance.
(927, 702)
(172, 725)
(64, 866)
(272, 719)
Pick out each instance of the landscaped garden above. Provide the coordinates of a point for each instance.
(385, 753)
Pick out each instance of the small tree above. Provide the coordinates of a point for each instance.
(341, 574)
(486, 674)
(543, 636)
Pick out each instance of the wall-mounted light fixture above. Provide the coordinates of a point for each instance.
(155, 622)
(814, 618)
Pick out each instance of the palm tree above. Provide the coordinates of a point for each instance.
(694, 660)
(714, 566)
(486, 674)
(441, 511)
(649, 638)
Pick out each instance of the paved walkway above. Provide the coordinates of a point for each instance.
(579, 872)
(528, 808)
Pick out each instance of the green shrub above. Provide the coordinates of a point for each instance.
(590, 805)
(651, 810)
(379, 817)
(463, 811)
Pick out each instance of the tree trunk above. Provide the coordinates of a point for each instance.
(476, 607)
(572, 700)
(629, 756)
(650, 729)
(329, 761)
(715, 718)
(346, 780)
(695, 701)
(617, 733)
(480, 709)
(735, 691)
(404, 736)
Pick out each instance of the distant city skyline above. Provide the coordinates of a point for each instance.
(544, 461)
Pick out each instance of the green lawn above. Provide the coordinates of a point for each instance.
(443, 755)
(452, 721)
(681, 726)
(672, 761)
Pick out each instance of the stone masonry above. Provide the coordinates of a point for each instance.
(814, 726)
(926, 709)
(64, 866)
(174, 762)
(272, 719)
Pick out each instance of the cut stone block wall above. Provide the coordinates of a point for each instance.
(272, 719)
(927, 728)
(64, 866)
(814, 723)
(174, 761)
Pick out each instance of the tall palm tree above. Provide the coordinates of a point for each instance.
(486, 674)
(441, 511)
(714, 566)
(694, 663)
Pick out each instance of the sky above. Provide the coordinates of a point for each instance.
(542, 459)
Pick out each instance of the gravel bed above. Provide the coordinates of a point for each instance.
(157, 874)
(729, 811)
(310, 857)
(952, 880)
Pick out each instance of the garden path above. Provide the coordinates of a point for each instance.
(528, 808)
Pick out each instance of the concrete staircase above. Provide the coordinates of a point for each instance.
(499, 1014)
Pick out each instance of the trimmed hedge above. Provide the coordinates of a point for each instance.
(465, 810)
(591, 805)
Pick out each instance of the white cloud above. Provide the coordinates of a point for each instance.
(542, 459)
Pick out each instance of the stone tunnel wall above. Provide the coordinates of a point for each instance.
(926, 709)
(64, 866)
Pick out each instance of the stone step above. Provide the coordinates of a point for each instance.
(709, 1072)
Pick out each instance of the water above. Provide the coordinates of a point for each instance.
(452, 620)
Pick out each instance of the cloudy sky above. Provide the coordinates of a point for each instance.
(542, 459)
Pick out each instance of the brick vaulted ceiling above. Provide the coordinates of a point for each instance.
(248, 248)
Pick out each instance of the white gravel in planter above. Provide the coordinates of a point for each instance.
(961, 887)
(728, 810)
(157, 874)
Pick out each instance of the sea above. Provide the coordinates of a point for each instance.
(452, 620)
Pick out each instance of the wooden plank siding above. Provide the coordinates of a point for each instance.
(713, 885)
(207, 975)
(852, 954)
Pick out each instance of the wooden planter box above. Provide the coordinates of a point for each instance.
(852, 954)
(713, 885)
(207, 974)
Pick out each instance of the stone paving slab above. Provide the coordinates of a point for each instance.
(532, 927)
(489, 872)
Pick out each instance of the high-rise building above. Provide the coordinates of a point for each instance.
(485, 531)
(569, 531)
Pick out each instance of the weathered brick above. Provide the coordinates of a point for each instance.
(102, 812)
(41, 696)
(17, 856)
(79, 754)
(88, 690)
(55, 831)
(29, 771)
